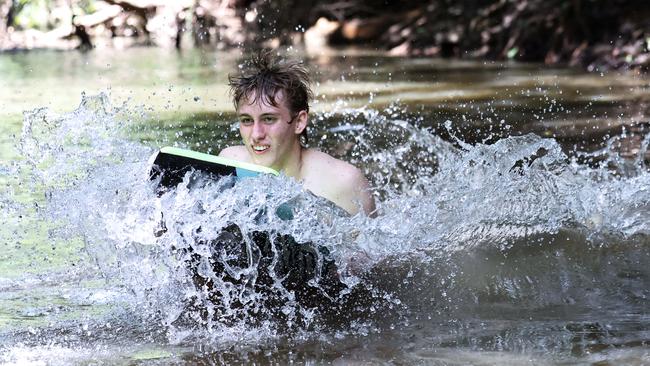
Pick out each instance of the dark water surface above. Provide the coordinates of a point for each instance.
(513, 225)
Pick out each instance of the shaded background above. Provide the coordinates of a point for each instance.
(598, 35)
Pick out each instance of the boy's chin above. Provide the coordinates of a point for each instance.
(262, 160)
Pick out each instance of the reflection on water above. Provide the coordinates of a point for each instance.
(494, 245)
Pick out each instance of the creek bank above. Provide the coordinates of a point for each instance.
(554, 32)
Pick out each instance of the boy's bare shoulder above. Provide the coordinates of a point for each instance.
(325, 164)
(234, 152)
(340, 177)
(339, 181)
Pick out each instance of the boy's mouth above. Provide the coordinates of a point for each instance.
(260, 148)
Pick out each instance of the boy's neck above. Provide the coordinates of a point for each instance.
(293, 166)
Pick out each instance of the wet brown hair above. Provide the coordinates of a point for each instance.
(264, 75)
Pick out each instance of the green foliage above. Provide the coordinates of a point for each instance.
(31, 14)
(37, 14)
(512, 53)
(87, 6)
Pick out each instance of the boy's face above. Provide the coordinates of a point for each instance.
(270, 133)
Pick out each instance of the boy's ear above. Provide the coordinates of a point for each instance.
(301, 122)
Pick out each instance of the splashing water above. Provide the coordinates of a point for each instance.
(466, 236)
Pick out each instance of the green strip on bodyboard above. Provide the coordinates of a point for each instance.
(172, 163)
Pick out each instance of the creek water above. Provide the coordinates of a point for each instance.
(513, 220)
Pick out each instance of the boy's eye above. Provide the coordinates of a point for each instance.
(246, 121)
(269, 119)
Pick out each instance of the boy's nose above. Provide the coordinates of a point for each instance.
(259, 131)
